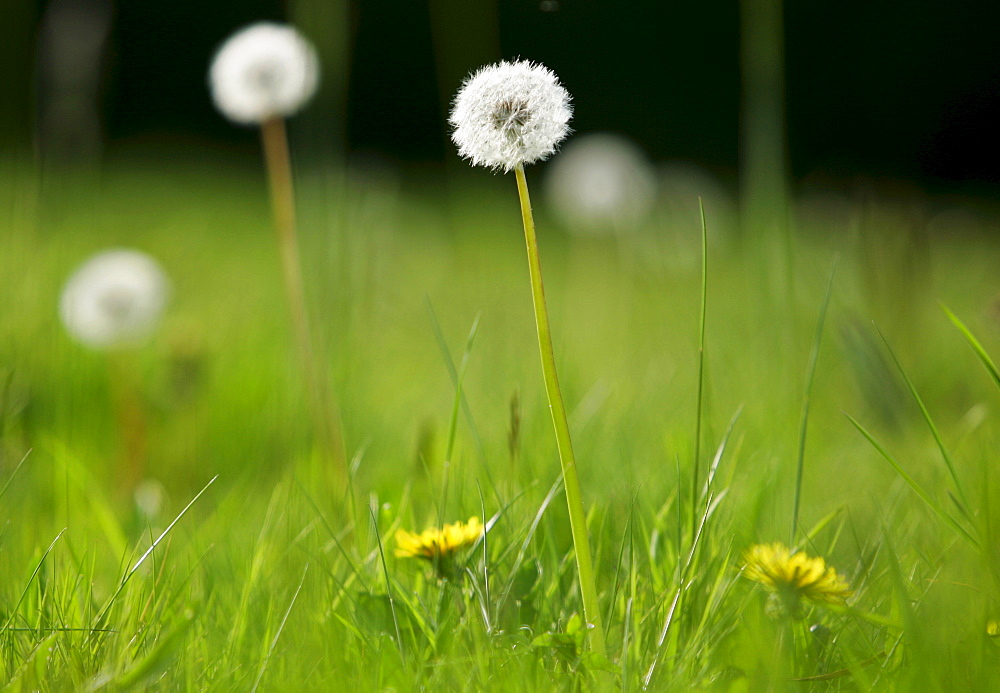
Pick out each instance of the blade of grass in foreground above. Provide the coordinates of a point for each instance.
(165, 650)
(453, 372)
(388, 590)
(711, 503)
(917, 488)
(964, 504)
(70, 468)
(984, 358)
(142, 559)
(701, 366)
(453, 421)
(274, 642)
(13, 474)
(523, 551)
(27, 585)
(806, 400)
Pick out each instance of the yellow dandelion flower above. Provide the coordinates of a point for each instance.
(438, 544)
(993, 628)
(793, 576)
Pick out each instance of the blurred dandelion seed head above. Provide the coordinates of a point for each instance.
(115, 299)
(794, 576)
(149, 497)
(263, 71)
(438, 544)
(601, 182)
(509, 114)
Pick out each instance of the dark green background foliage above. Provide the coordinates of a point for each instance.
(882, 88)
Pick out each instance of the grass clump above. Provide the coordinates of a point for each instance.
(267, 579)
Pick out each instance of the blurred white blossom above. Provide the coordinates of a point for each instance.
(149, 497)
(601, 182)
(509, 114)
(114, 299)
(263, 71)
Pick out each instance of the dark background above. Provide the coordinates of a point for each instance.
(874, 87)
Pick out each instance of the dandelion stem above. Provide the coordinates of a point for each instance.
(130, 411)
(279, 175)
(577, 518)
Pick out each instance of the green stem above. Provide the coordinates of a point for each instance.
(577, 518)
(701, 370)
(279, 175)
(806, 400)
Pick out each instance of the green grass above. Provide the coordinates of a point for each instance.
(270, 580)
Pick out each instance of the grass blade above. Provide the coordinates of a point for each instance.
(281, 627)
(388, 589)
(701, 366)
(454, 373)
(27, 585)
(917, 488)
(984, 358)
(149, 551)
(13, 474)
(806, 401)
(930, 423)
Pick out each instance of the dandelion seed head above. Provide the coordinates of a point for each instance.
(115, 299)
(794, 576)
(509, 114)
(263, 71)
(149, 497)
(601, 182)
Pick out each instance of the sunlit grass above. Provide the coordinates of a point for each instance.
(268, 581)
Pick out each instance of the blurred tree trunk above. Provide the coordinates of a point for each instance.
(17, 45)
(763, 144)
(323, 125)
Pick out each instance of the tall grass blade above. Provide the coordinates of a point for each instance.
(142, 559)
(281, 627)
(523, 551)
(453, 421)
(720, 451)
(695, 474)
(453, 372)
(159, 657)
(13, 474)
(930, 424)
(912, 483)
(806, 401)
(27, 585)
(388, 589)
(984, 358)
(712, 502)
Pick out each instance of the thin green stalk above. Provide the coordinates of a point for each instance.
(577, 517)
(279, 175)
(806, 401)
(701, 367)
(984, 357)
(963, 503)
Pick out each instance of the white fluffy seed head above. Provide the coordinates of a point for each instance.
(602, 182)
(509, 114)
(263, 71)
(115, 299)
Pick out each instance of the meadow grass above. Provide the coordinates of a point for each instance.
(271, 580)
